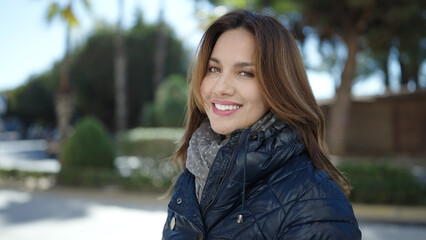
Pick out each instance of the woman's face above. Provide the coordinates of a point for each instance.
(230, 88)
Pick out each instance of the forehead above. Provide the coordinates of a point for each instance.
(237, 45)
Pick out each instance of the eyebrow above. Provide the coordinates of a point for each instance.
(238, 64)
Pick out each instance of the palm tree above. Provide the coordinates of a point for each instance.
(160, 49)
(64, 99)
(120, 63)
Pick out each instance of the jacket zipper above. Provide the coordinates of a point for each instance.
(226, 172)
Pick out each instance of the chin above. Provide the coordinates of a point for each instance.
(222, 131)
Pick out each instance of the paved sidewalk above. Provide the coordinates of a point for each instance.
(66, 213)
(69, 214)
(158, 201)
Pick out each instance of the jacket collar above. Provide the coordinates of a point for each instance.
(259, 152)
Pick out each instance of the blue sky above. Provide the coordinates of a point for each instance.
(29, 45)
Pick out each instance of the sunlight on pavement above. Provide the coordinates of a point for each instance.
(99, 222)
(27, 155)
(52, 216)
(12, 196)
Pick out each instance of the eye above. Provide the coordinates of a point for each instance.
(213, 69)
(246, 74)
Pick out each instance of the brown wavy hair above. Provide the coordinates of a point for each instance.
(282, 80)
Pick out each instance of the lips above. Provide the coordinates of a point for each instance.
(225, 108)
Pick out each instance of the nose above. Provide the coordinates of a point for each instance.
(224, 85)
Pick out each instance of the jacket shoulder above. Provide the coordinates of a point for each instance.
(314, 205)
(299, 181)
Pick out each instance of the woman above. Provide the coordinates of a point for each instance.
(253, 152)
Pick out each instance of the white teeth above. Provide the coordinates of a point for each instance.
(226, 107)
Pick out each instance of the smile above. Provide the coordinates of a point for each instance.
(226, 107)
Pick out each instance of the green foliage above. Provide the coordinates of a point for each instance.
(88, 156)
(277, 5)
(383, 184)
(90, 146)
(168, 109)
(33, 102)
(156, 143)
(66, 12)
(24, 179)
(20, 174)
(378, 24)
(88, 177)
(92, 71)
(150, 147)
(92, 77)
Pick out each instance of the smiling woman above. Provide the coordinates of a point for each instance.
(230, 89)
(253, 152)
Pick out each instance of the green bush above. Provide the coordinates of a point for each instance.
(88, 177)
(382, 184)
(88, 148)
(168, 109)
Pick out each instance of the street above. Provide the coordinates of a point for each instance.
(27, 216)
(27, 155)
(100, 214)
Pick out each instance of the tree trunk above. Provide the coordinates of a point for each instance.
(64, 99)
(160, 51)
(120, 76)
(386, 72)
(414, 72)
(339, 115)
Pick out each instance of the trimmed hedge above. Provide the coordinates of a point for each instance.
(156, 143)
(88, 156)
(89, 146)
(378, 183)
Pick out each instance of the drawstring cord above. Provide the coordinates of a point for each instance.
(240, 218)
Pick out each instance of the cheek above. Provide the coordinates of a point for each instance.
(203, 89)
(255, 96)
(205, 92)
(258, 101)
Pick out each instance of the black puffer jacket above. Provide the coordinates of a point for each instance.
(267, 178)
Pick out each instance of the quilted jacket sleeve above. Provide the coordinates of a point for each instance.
(322, 212)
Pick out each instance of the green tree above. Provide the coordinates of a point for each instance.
(120, 79)
(411, 39)
(64, 102)
(93, 65)
(32, 102)
(160, 48)
(141, 42)
(359, 24)
(168, 109)
(92, 77)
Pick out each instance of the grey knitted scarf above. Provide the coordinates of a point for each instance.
(205, 144)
